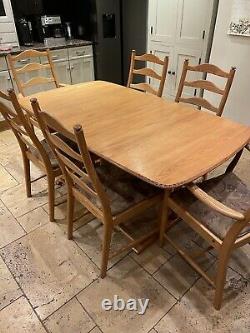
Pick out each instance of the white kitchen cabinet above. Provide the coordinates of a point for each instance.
(8, 17)
(62, 70)
(5, 84)
(180, 30)
(82, 70)
(8, 33)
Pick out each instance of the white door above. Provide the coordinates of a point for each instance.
(194, 57)
(5, 84)
(163, 20)
(193, 22)
(161, 52)
(82, 70)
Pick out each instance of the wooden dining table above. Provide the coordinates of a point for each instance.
(162, 142)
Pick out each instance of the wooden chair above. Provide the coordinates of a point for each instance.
(205, 85)
(33, 149)
(32, 67)
(110, 194)
(219, 211)
(147, 72)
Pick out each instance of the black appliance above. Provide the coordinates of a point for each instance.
(48, 29)
(24, 31)
(117, 26)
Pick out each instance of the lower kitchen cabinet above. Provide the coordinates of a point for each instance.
(5, 84)
(62, 70)
(82, 70)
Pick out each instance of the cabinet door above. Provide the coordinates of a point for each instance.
(5, 84)
(163, 20)
(161, 52)
(194, 58)
(62, 72)
(194, 17)
(82, 70)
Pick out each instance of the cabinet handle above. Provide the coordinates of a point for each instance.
(173, 73)
(8, 78)
(54, 57)
(80, 53)
(169, 72)
(72, 67)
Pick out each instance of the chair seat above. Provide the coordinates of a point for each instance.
(123, 189)
(229, 190)
(49, 152)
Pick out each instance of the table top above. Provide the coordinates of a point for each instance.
(164, 143)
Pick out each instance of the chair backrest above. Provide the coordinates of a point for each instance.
(205, 85)
(22, 127)
(76, 163)
(32, 67)
(147, 72)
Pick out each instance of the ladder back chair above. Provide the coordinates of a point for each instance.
(32, 67)
(111, 200)
(147, 72)
(205, 85)
(219, 212)
(32, 148)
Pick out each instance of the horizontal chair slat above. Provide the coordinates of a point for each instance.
(37, 80)
(203, 84)
(144, 87)
(209, 68)
(29, 54)
(32, 67)
(147, 72)
(200, 102)
(151, 58)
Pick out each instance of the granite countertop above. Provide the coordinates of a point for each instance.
(41, 46)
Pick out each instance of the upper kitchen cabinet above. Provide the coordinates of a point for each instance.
(6, 14)
(180, 29)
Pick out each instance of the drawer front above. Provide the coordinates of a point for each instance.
(7, 27)
(8, 37)
(3, 64)
(80, 51)
(56, 55)
(23, 62)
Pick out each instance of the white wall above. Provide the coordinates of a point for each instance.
(228, 51)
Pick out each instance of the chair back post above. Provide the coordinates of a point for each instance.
(163, 77)
(132, 65)
(25, 123)
(182, 80)
(14, 73)
(227, 90)
(52, 68)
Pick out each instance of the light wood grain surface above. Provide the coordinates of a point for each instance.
(162, 142)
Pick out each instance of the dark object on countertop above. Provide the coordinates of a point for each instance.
(24, 31)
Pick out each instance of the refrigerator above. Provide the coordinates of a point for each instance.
(117, 27)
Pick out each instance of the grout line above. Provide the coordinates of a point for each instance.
(96, 325)
(25, 296)
(4, 307)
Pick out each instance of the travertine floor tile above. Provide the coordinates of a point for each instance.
(34, 219)
(89, 239)
(20, 318)
(127, 280)
(240, 261)
(9, 227)
(195, 312)
(10, 152)
(81, 215)
(9, 289)
(49, 268)
(152, 258)
(177, 276)
(18, 203)
(71, 318)
(6, 180)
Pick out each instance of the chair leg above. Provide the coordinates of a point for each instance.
(221, 278)
(26, 165)
(51, 194)
(108, 229)
(70, 214)
(164, 216)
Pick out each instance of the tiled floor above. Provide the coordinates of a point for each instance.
(50, 284)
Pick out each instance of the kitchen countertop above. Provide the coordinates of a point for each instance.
(41, 46)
